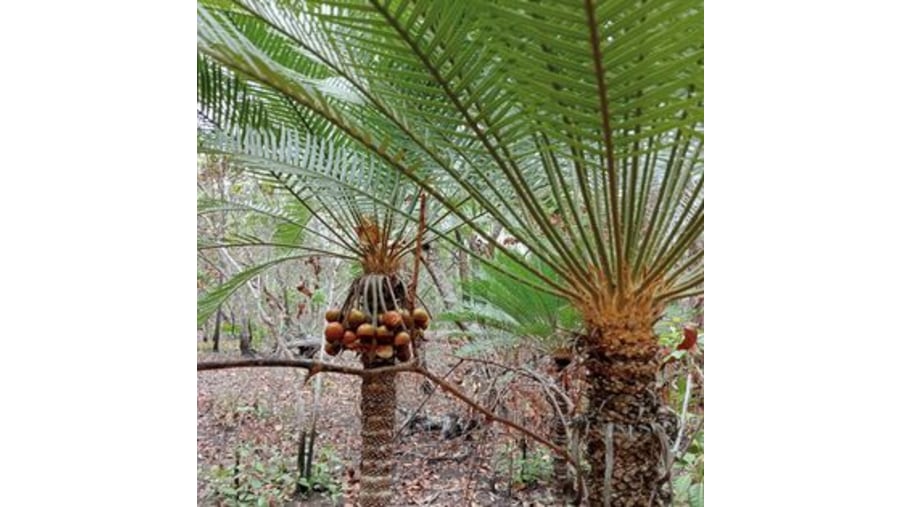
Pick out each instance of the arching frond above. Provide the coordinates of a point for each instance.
(577, 127)
(207, 305)
(501, 305)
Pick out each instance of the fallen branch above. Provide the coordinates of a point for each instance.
(450, 388)
(579, 475)
(546, 385)
(424, 401)
(313, 366)
(412, 367)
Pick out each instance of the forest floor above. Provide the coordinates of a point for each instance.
(249, 422)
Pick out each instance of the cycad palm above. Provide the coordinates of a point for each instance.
(378, 235)
(577, 127)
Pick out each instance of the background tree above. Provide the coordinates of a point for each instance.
(242, 224)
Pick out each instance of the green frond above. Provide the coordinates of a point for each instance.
(292, 214)
(487, 342)
(503, 306)
(577, 127)
(212, 300)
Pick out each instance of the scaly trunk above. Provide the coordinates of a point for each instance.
(629, 429)
(375, 294)
(377, 407)
(561, 480)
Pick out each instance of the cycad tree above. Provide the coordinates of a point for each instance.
(322, 215)
(575, 125)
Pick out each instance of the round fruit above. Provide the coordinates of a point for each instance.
(385, 351)
(391, 319)
(333, 315)
(407, 318)
(420, 316)
(349, 337)
(332, 349)
(334, 332)
(404, 353)
(402, 338)
(365, 331)
(356, 318)
(384, 335)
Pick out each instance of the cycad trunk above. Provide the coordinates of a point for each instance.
(377, 407)
(376, 294)
(629, 430)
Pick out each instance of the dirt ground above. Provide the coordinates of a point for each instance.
(255, 415)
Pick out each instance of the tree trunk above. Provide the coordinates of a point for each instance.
(463, 259)
(374, 294)
(377, 406)
(247, 339)
(629, 429)
(564, 487)
(217, 331)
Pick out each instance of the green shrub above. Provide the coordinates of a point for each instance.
(322, 477)
(688, 472)
(264, 477)
(534, 468)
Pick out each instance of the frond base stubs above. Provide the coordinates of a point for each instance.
(369, 321)
(378, 255)
(630, 429)
(621, 309)
(377, 406)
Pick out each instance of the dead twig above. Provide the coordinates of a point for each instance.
(526, 372)
(419, 408)
(418, 253)
(446, 386)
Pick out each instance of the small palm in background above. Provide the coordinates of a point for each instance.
(324, 215)
(512, 323)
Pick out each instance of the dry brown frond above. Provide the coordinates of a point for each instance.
(378, 254)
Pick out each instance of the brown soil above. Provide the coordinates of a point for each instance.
(264, 409)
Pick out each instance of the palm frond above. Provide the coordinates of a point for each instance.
(503, 306)
(577, 127)
(212, 300)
